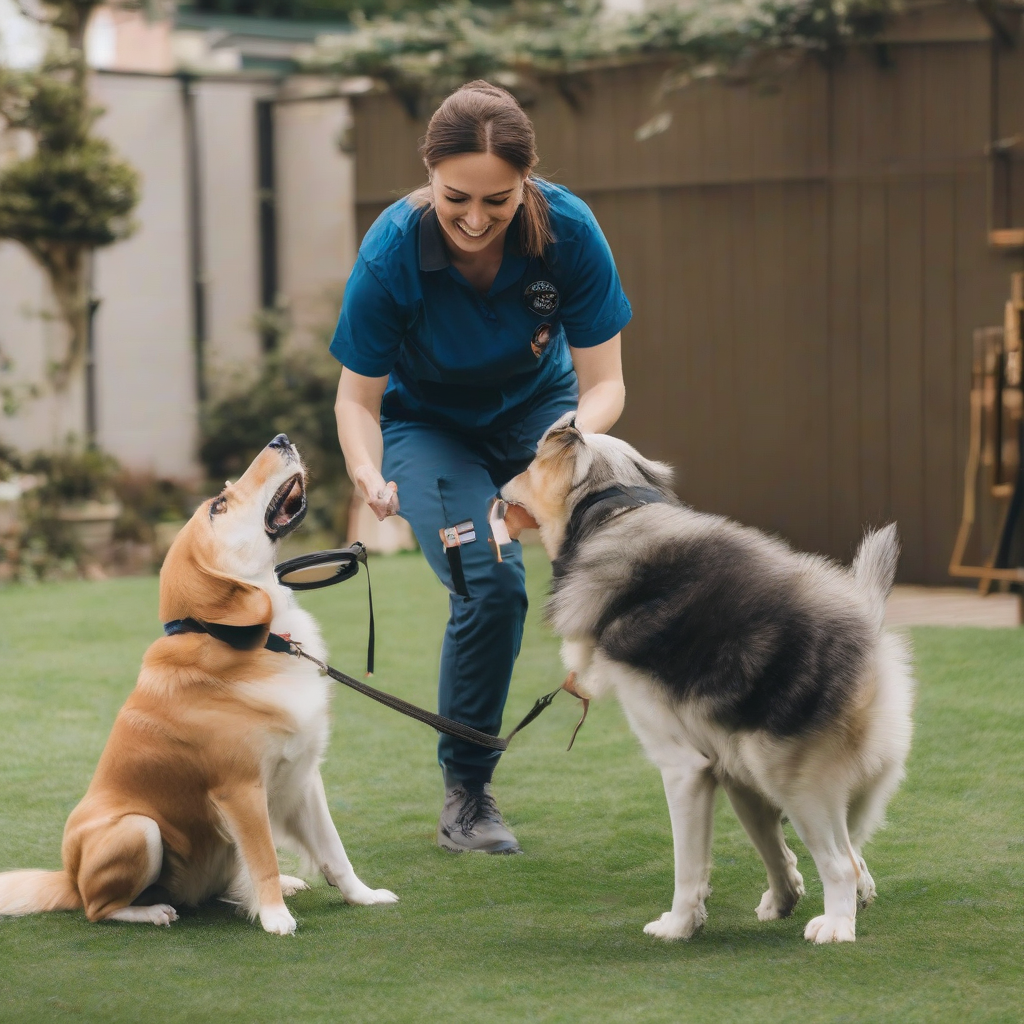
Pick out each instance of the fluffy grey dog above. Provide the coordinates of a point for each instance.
(738, 661)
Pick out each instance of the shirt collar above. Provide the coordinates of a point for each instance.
(434, 253)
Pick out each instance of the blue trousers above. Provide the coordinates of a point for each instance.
(446, 477)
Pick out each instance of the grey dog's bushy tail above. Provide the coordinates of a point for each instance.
(874, 566)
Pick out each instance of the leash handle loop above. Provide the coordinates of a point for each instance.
(371, 639)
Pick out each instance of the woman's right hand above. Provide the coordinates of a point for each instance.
(380, 496)
(358, 411)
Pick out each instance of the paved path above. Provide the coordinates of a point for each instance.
(951, 606)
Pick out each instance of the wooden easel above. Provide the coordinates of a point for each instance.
(997, 437)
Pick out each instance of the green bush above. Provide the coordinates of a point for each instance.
(8, 462)
(293, 394)
(73, 474)
(45, 546)
(147, 499)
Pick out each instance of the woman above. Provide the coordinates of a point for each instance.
(481, 308)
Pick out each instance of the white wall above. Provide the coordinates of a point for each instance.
(316, 202)
(22, 41)
(226, 113)
(31, 338)
(146, 389)
(26, 335)
(145, 375)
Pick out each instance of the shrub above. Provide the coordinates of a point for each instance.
(293, 394)
(147, 499)
(72, 474)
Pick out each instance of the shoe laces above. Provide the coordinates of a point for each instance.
(478, 805)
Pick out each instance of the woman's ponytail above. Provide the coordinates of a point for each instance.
(535, 230)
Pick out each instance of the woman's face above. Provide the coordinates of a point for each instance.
(476, 196)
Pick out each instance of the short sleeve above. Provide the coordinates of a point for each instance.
(368, 337)
(594, 306)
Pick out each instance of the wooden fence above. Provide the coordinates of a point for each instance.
(806, 265)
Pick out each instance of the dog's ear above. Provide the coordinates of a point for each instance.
(190, 588)
(567, 421)
(562, 436)
(657, 474)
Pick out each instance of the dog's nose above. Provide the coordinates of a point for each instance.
(281, 441)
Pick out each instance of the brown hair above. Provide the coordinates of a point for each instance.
(484, 118)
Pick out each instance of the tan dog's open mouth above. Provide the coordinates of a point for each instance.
(287, 508)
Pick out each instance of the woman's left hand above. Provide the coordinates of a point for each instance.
(602, 392)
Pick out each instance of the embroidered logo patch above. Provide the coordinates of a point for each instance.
(542, 297)
(540, 339)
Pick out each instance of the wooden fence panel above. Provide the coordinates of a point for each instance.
(806, 266)
(844, 383)
(940, 386)
(805, 351)
(905, 258)
(905, 371)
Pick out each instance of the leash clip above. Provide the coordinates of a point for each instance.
(300, 653)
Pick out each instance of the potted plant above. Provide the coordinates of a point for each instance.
(78, 492)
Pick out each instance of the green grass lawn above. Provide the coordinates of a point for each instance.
(554, 935)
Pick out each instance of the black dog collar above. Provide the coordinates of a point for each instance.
(595, 509)
(241, 638)
(305, 572)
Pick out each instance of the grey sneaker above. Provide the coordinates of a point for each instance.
(470, 820)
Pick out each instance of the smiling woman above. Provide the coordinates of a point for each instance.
(481, 308)
(472, 217)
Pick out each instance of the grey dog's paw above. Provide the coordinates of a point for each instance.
(671, 926)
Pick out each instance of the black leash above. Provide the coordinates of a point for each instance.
(244, 638)
(446, 725)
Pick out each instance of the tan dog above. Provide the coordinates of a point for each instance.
(214, 758)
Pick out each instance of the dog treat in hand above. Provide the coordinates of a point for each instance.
(507, 522)
(496, 521)
(518, 519)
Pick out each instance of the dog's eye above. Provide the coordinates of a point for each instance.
(220, 505)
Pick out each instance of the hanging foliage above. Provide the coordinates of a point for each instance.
(434, 52)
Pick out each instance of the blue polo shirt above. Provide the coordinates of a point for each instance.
(461, 358)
